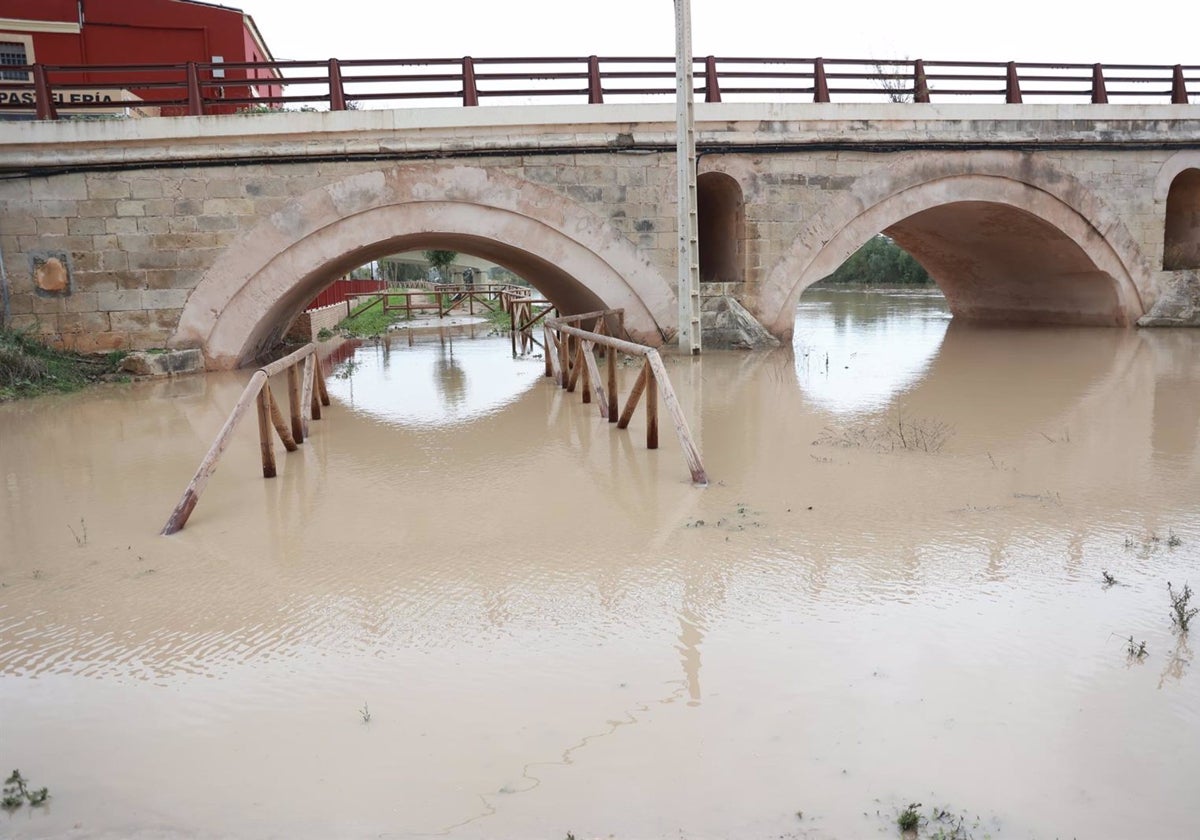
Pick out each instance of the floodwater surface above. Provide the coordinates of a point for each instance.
(470, 608)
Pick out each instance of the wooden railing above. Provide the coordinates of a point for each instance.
(199, 88)
(306, 395)
(571, 361)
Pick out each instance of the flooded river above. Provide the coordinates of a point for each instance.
(469, 608)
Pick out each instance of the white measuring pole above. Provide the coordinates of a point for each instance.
(685, 158)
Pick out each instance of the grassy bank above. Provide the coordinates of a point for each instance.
(29, 368)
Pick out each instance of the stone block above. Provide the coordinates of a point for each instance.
(121, 300)
(164, 298)
(210, 223)
(154, 224)
(143, 260)
(82, 301)
(119, 226)
(83, 322)
(130, 321)
(100, 208)
(85, 227)
(107, 186)
(99, 342)
(18, 224)
(51, 227)
(168, 363)
(221, 188)
(145, 188)
(59, 208)
(228, 207)
(73, 186)
(131, 207)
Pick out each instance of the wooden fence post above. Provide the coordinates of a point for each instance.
(294, 410)
(610, 361)
(264, 433)
(651, 408)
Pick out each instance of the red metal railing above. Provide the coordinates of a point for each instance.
(203, 88)
(341, 290)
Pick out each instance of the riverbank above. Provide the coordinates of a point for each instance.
(29, 368)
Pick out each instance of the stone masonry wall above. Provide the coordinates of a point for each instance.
(308, 324)
(134, 240)
(135, 244)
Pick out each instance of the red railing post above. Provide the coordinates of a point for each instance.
(920, 86)
(41, 90)
(1012, 88)
(1179, 94)
(470, 92)
(337, 96)
(1099, 92)
(595, 91)
(712, 86)
(820, 85)
(195, 104)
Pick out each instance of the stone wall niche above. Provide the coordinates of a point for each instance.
(721, 224)
(1181, 244)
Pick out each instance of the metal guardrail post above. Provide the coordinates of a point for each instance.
(470, 91)
(41, 90)
(820, 84)
(1099, 92)
(337, 95)
(595, 90)
(195, 99)
(1012, 86)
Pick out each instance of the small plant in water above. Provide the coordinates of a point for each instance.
(1173, 540)
(1181, 613)
(17, 793)
(80, 535)
(1109, 580)
(910, 817)
(1135, 650)
(365, 713)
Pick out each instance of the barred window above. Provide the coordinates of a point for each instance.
(12, 54)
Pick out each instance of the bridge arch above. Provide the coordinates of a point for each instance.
(1005, 239)
(576, 258)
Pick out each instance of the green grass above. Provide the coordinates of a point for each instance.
(370, 320)
(29, 368)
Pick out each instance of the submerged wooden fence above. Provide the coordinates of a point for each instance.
(306, 395)
(570, 350)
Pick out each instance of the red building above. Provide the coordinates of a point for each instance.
(87, 33)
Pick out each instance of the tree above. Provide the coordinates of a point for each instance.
(881, 262)
(441, 260)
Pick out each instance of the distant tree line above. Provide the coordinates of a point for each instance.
(881, 262)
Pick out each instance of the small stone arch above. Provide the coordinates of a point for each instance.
(721, 223)
(922, 206)
(574, 257)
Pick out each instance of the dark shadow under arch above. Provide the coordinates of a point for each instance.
(1181, 239)
(721, 223)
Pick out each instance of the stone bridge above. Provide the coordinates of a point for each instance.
(214, 232)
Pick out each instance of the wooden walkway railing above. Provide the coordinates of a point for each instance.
(205, 88)
(306, 395)
(571, 361)
(517, 301)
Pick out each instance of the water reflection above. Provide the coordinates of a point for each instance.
(440, 378)
(511, 584)
(855, 350)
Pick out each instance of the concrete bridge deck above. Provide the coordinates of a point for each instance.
(214, 232)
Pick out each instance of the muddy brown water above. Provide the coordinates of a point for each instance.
(552, 631)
